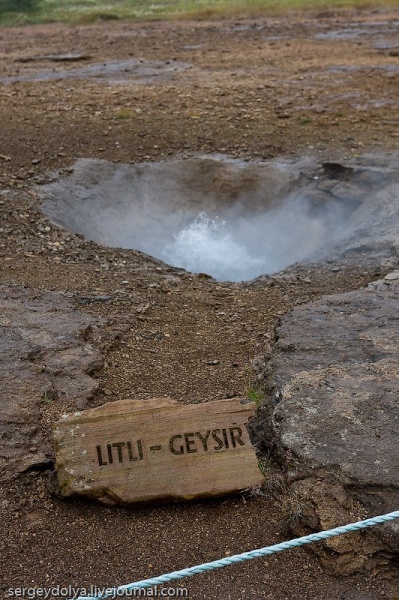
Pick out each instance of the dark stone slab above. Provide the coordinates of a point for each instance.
(44, 359)
(335, 419)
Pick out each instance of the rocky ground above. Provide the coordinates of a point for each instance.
(321, 85)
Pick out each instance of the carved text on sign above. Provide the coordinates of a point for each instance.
(137, 451)
(186, 443)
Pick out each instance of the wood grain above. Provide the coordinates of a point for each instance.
(136, 451)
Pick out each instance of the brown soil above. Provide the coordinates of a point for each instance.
(252, 88)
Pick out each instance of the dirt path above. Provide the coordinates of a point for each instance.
(323, 85)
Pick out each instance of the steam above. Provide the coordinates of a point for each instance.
(232, 220)
(208, 246)
(237, 248)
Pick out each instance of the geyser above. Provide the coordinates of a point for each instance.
(209, 245)
(231, 219)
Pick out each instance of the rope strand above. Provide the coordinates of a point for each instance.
(237, 558)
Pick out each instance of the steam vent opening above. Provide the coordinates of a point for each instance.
(231, 219)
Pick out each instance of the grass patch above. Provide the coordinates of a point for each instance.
(305, 120)
(14, 12)
(256, 393)
(49, 396)
(124, 114)
(255, 390)
(265, 467)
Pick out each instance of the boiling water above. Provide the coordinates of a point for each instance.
(238, 248)
(208, 246)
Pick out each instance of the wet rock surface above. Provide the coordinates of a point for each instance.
(44, 359)
(109, 72)
(335, 419)
(370, 228)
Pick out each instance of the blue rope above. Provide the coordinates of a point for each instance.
(237, 558)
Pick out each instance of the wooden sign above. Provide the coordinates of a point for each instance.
(135, 451)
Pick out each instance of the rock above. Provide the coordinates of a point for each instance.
(335, 421)
(136, 451)
(71, 57)
(44, 360)
(115, 71)
(98, 298)
(392, 276)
